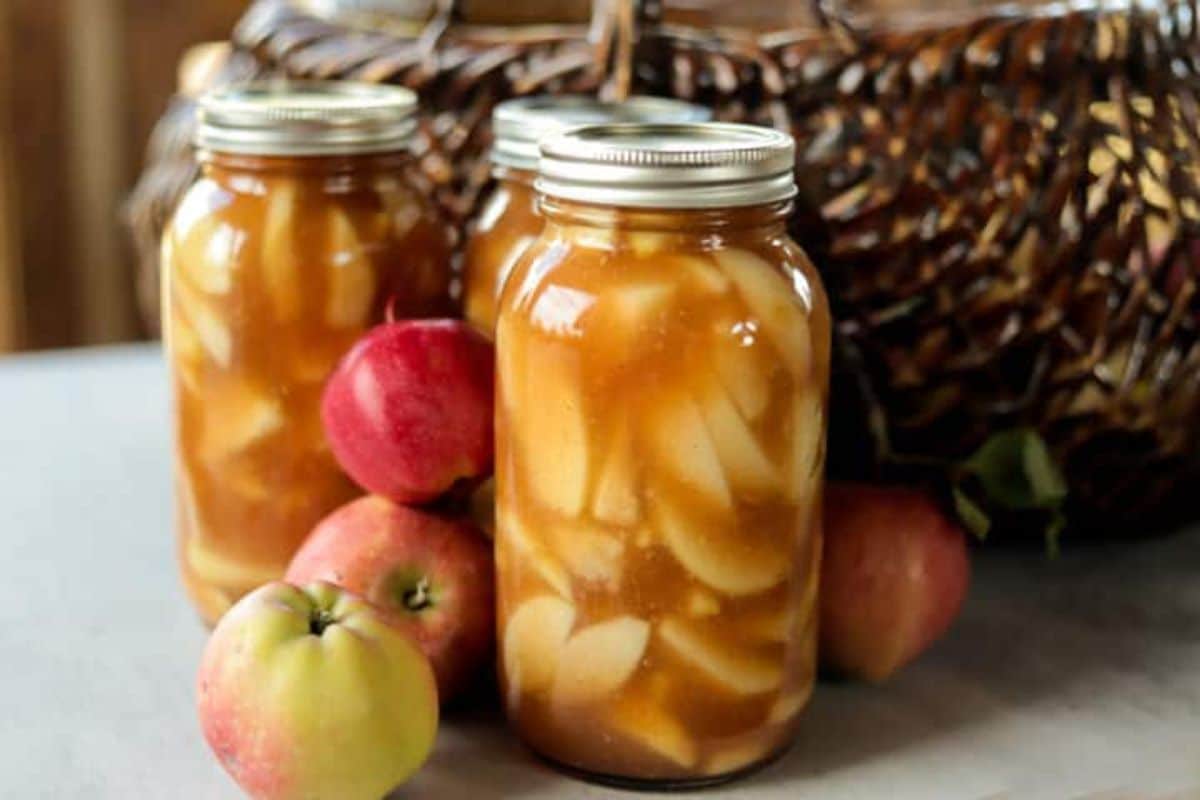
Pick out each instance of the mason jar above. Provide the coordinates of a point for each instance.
(663, 367)
(509, 221)
(301, 229)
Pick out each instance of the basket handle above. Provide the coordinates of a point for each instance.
(613, 32)
(445, 14)
(829, 13)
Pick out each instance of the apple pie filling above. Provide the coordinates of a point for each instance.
(274, 267)
(661, 398)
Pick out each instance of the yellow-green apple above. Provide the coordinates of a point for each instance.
(894, 574)
(432, 575)
(408, 411)
(311, 693)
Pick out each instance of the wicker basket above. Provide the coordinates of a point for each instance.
(1005, 203)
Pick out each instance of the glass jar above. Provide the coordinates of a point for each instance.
(663, 365)
(298, 233)
(509, 220)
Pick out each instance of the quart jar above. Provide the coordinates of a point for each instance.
(663, 364)
(509, 220)
(300, 230)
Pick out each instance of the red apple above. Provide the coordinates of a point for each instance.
(311, 693)
(431, 575)
(894, 574)
(408, 411)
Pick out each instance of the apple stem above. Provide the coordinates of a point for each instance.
(318, 621)
(417, 598)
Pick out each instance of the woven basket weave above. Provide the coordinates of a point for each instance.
(1005, 204)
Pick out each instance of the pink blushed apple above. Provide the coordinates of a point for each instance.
(894, 575)
(311, 693)
(408, 411)
(432, 575)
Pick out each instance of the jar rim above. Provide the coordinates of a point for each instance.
(520, 124)
(306, 118)
(690, 165)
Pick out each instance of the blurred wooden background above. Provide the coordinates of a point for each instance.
(81, 85)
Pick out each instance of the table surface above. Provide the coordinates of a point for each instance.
(1077, 677)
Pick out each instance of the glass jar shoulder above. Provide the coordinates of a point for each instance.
(756, 289)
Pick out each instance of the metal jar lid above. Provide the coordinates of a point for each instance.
(306, 118)
(698, 165)
(520, 124)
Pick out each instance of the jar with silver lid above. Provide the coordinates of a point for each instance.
(663, 364)
(509, 221)
(300, 230)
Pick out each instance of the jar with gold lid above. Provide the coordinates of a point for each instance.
(662, 380)
(301, 228)
(509, 220)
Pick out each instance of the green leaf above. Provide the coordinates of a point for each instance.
(1049, 486)
(1054, 531)
(974, 517)
(1018, 472)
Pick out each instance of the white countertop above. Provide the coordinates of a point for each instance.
(1073, 678)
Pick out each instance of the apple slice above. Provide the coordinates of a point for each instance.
(186, 351)
(734, 757)
(634, 306)
(553, 433)
(599, 659)
(615, 499)
(627, 315)
(774, 625)
(739, 672)
(592, 237)
(640, 719)
(643, 537)
(212, 333)
(746, 465)
(589, 552)
(281, 256)
(533, 643)
(807, 432)
(352, 286)
(701, 273)
(679, 439)
(645, 244)
(702, 604)
(208, 254)
(774, 303)
(212, 567)
(511, 532)
(744, 375)
(725, 563)
(237, 417)
(788, 705)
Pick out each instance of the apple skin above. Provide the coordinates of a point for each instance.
(432, 576)
(894, 575)
(350, 713)
(408, 410)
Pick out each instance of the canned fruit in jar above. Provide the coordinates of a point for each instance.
(658, 465)
(533, 642)
(642, 720)
(352, 282)
(597, 660)
(735, 669)
(272, 272)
